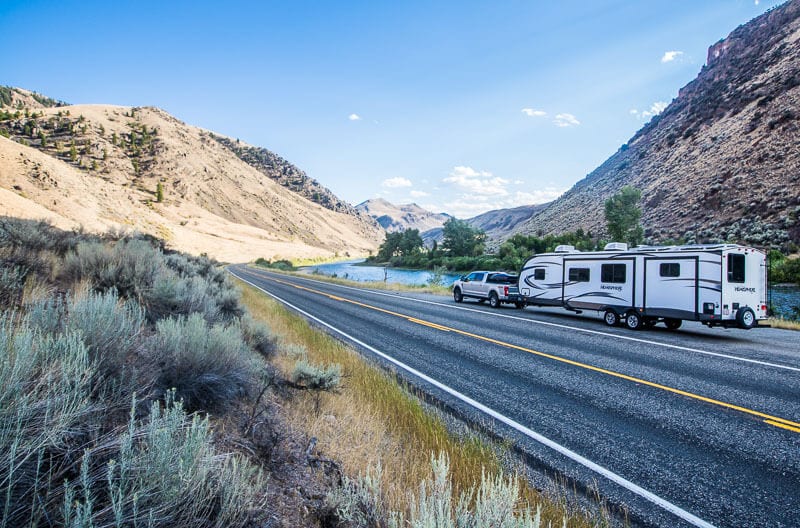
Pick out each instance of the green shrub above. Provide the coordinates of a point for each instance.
(109, 328)
(259, 336)
(209, 367)
(131, 266)
(12, 280)
(314, 377)
(164, 472)
(45, 412)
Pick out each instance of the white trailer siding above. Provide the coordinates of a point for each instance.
(711, 284)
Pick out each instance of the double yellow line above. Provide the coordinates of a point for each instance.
(776, 421)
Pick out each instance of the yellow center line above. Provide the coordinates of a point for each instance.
(767, 418)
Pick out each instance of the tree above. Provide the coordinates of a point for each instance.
(159, 192)
(73, 153)
(623, 214)
(410, 243)
(461, 239)
(400, 243)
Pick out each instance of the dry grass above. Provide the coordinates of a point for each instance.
(374, 420)
(785, 324)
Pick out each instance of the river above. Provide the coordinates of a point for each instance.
(349, 270)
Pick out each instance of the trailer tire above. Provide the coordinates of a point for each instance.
(494, 300)
(633, 320)
(519, 305)
(457, 295)
(745, 318)
(611, 318)
(672, 324)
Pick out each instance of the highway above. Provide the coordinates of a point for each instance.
(695, 427)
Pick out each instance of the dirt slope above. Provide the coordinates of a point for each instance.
(99, 166)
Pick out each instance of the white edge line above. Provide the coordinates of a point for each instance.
(578, 329)
(630, 486)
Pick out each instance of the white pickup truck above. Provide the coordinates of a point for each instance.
(496, 287)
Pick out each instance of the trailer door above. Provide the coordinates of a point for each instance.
(670, 287)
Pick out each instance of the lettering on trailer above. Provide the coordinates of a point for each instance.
(615, 288)
(742, 289)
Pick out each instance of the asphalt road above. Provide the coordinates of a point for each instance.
(696, 427)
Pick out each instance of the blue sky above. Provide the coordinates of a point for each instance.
(459, 106)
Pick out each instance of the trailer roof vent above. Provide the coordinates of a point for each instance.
(565, 249)
(616, 246)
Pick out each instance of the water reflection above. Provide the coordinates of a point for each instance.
(349, 270)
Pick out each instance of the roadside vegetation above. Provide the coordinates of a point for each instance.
(136, 389)
(405, 468)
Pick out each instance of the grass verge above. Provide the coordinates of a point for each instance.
(375, 421)
(784, 324)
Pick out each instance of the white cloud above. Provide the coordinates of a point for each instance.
(419, 194)
(480, 183)
(467, 206)
(670, 56)
(566, 120)
(655, 109)
(756, 2)
(394, 183)
(354, 117)
(634, 111)
(530, 112)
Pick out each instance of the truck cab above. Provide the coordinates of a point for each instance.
(497, 287)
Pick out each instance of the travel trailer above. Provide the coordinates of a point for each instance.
(718, 285)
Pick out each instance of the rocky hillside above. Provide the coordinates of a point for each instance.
(401, 217)
(101, 167)
(722, 161)
(286, 174)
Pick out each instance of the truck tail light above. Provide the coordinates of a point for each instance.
(505, 291)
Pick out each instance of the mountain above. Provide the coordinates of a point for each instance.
(401, 217)
(722, 161)
(100, 167)
(498, 225)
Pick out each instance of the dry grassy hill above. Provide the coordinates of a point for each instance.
(722, 162)
(99, 166)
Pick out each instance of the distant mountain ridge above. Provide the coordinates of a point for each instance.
(722, 161)
(100, 167)
(394, 218)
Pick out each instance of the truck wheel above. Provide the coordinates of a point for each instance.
(672, 324)
(611, 318)
(633, 320)
(519, 305)
(494, 301)
(457, 296)
(745, 318)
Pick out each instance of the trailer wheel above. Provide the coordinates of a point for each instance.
(672, 324)
(649, 322)
(611, 318)
(519, 305)
(457, 296)
(494, 301)
(745, 318)
(633, 320)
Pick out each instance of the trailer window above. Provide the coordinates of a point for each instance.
(735, 267)
(579, 275)
(538, 274)
(612, 273)
(670, 269)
